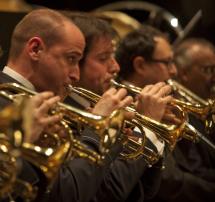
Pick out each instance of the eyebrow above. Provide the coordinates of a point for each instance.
(75, 53)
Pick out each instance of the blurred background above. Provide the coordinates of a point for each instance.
(178, 18)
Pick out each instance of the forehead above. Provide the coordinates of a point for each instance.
(203, 55)
(72, 38)
(102, 44)
(163, 48)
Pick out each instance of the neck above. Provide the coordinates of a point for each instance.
(23, 68)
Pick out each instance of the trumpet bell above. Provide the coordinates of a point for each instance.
(192, 103)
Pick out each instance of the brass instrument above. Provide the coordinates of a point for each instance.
(192, 103)
(169, 133)
(142, 12)
(49, 159)
(8, 168)
(106, 127)
(134, 148)
(11, 140)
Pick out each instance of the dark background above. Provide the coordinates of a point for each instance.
(184, 10)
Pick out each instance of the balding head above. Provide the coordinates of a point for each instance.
(195, 60)
(191, 51)
(44, 23)
(46, 49)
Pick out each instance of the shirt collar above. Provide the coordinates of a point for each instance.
(15, 75)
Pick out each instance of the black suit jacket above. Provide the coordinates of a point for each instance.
(130, 180)
(78, 180)
(190, 173)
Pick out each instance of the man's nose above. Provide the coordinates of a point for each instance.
(114, 66)
(74, 74)
(173, 72)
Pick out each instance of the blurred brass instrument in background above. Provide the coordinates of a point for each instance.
(11, 141)
(192, 103)
(126, 16)
(134, 147)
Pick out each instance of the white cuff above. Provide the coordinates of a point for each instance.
(159, 144)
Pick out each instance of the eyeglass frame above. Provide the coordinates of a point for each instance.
(167, 62)
(204, 69)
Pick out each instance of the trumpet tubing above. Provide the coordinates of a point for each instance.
(99, 123)
(134, 149)
(185, 93)
(194, 104)
(169, 133)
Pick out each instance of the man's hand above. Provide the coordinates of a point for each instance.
(153, 99)
(39, 106)
(111, 100)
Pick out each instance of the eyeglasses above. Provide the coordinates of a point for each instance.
(167, 62)
(208, 69)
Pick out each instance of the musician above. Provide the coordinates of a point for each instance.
(146, 57)
(195, 61)
(44, 56)
(125, 180)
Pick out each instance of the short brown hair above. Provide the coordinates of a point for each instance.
(93, 27)
(44, 23)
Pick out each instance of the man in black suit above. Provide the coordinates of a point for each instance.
(195, 61)
(146, 57)
(125, 180)
(44, 56)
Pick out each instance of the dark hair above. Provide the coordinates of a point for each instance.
(44, 23)
(184, 54)
(93, 27)
(140, 42)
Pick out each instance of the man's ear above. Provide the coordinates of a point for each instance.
(138, 64)
(182, 74)
(34, 47)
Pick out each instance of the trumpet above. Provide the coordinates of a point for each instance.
(106, 127)
(194, 104)
(49, 159)
(134, 148)
(171, 133)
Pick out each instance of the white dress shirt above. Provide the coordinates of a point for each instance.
(15, 75)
